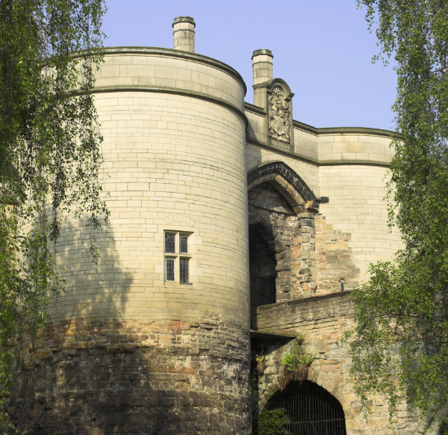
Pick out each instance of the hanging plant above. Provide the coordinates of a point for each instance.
(300, 338)
(295, 365)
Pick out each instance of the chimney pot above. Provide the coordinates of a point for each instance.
(263, 72)
(262, 66)
(183, 32)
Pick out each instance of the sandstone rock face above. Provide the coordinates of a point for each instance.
(136, 377)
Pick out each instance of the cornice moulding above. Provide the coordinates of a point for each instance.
(186, 55)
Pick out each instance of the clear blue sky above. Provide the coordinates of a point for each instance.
(321, 48)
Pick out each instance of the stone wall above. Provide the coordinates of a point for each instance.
(323, 320)
(349, 168)
(357, 206)
(305, 255)
(133, 349)
(335, 261)
(116, 377)
(174, 161)
(179, 142)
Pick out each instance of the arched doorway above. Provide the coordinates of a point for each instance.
(312, 410)
(276, 198)
(261, 266)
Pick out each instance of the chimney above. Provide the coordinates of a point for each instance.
(263, 72)
(183, 32)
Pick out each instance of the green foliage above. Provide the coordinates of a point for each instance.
(295, 364)
(400, 345)
(49, 153)
(292, 360)
(308, 360)
(300, 338)
(270, 422)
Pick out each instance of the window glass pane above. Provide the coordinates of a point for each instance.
(184, 271)
(184, 244)
(169, 243)
(169, 269)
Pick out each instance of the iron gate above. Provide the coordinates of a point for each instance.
(312, 410)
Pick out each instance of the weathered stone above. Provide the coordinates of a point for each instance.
(141, 385)
(323, 320)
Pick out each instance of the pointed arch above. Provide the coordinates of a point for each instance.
(288, 184)
(268, 233)
(311, 409)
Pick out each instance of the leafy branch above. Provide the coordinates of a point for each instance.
(50, 154)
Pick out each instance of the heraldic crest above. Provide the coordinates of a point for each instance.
(279, 113)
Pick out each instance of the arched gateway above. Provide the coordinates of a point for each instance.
(279, 201)
(312, 410)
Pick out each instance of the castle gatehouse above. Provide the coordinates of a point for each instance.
(234, 230)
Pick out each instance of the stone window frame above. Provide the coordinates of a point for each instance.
(177, 256)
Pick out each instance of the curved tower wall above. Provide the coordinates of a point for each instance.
(174, 152)
(131, 350)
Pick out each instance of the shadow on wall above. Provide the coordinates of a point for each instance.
(85, 352)
(262, 266)
(99, 373)
(91, 292)
(312, 257)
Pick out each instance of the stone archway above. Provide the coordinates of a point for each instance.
(310, 408)
(266, 248)
(288, 183)
(262, 262)
(283, 207)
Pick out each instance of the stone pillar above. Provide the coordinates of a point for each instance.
(308, 254)
(263, 72)
(183, 32)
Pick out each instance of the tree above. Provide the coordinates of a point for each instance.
(49, 153)
(401, 338)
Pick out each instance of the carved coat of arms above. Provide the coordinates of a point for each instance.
(279, 115)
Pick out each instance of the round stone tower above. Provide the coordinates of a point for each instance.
(155, 339)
